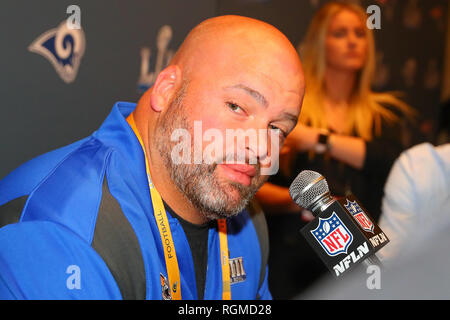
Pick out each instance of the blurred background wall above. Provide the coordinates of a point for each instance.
(50, 99)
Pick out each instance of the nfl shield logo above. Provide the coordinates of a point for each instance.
(333, 235)
(359, 215)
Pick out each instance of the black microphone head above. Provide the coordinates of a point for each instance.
(308, 188)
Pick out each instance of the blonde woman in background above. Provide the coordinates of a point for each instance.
(346, 131)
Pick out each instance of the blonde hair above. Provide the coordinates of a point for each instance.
(366, 108)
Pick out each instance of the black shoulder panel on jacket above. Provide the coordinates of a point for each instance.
(11, 211)
(116, 242)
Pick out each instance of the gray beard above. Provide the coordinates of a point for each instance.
(199, 182)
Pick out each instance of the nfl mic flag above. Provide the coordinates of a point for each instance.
(344, 234)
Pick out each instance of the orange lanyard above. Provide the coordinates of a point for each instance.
(173, 271)
(224, 257)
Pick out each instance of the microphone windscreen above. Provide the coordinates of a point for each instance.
(307, 187)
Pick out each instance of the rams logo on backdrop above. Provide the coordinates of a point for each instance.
(63, 47)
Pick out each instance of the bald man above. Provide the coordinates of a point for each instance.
(156, 204)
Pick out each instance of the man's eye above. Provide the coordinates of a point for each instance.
(235, 108)
(280, 132)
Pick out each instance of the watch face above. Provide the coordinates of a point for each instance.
(323, 139)
(320, 148)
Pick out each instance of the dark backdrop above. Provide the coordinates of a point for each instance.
(41, 112)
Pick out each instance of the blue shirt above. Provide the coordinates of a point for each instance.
(48, 253)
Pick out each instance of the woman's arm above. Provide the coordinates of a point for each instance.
(276, 199)
(348, 149)
(376, 155)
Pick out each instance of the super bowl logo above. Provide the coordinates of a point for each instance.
(163, 56)
(64, 47)
(333, 235)
(359, 215)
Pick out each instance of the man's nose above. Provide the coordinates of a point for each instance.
(259, 149)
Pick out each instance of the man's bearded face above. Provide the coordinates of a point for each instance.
(214, 196)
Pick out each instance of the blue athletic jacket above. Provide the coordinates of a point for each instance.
(77, 223)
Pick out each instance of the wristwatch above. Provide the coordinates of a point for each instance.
(323, 142)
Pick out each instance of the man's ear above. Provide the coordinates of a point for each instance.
(166, 85)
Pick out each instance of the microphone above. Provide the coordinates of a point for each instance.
(342, 233)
